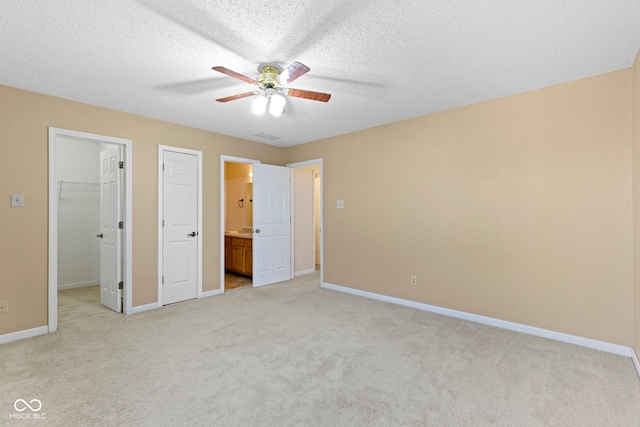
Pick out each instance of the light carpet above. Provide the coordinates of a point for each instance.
(294, 354)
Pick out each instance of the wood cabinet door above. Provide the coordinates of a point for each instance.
(248, 260)
(227, 257)
(237, 257)
(227, 253)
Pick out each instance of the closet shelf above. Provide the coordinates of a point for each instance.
(60, 183)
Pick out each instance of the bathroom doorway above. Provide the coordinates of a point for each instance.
(238, 224)
(305, 244)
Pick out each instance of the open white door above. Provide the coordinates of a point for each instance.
(180, 233)
(272, 224)
(110, 233)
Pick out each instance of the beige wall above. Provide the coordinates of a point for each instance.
(636, 199)
(517, 209)
(23, 231)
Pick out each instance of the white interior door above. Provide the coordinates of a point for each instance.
(110, 234)
(272, 224)
(316, 217)
(180, 232)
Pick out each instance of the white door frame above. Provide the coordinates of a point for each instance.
(224, 159)
(54, 134)
(198, 154)
(317, 212)
(310, 163)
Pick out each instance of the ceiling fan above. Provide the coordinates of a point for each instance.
(272, 87)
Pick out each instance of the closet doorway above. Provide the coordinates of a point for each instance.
(89, 219)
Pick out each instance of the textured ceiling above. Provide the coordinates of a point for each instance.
(381, 61)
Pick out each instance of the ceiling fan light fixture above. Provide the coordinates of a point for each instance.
(259, 105)
(276, 105)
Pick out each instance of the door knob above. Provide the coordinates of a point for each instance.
(100, 235)
(192, 234)
(257, 231)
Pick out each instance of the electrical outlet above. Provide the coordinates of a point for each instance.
(4, 306)
(414, 280)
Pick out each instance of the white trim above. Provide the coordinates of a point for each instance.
(77, 285)
(127, 307)
(20, 335)
(199, 155)
(212, 293)
(321, 171)
(53, 233)
(292, 224)
(531, 330)
(319, 210)
(146, 307)
(127, 268)
(303, 272)
(634, 356)
(223, 159)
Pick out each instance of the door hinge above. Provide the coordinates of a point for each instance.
(163, 166)
(121, 164)
(163, 223)
(121, 225)
(163, 280)
(121, 285)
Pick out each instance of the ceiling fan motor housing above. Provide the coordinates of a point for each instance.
(268, 78)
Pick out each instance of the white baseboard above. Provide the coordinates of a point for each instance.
(146, 307)
(153, 306)
(20, 335)
(210, 293)
(531, 330)
(76, 285)
(636, 362)
(303, 272)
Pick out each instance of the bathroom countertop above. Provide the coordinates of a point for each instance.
(239, 235)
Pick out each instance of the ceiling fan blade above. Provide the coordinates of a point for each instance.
(234, 97)
(294, 71)
(235, 75)
(308, 94)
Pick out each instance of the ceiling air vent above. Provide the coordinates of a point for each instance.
(265, 136)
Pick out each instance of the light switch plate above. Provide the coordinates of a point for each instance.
(340, 204)
(17, 200)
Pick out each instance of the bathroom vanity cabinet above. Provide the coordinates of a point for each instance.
(238, 254)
